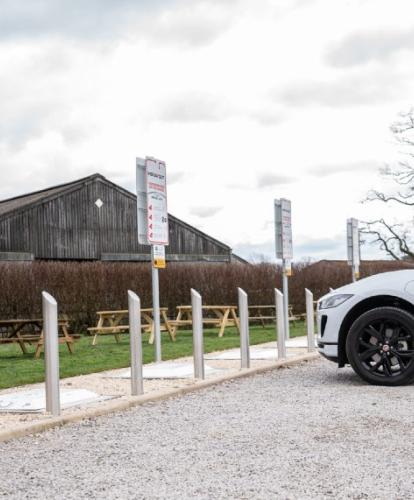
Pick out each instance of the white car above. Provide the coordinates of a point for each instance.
(370, 325)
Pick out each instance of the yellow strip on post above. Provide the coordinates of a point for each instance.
(159, 263)
(287, 268)
(158, 257)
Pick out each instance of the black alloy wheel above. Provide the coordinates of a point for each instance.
(380, 346)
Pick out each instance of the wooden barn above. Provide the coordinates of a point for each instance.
(92, 219)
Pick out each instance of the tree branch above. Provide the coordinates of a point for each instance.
(389, 242)
(377, 196)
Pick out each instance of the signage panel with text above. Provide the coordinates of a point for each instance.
(157, 213)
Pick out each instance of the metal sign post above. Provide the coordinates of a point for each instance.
(284, 250)
(285, 288)
(353, 247)
(156, 309)
(244, 329)
(198, 342)
(280, 325)
(153, 227)
(135, 339)
(310, 320)
(50, 329)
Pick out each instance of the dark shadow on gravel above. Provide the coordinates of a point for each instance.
(347, 377)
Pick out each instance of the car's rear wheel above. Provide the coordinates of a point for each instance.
(380, 346)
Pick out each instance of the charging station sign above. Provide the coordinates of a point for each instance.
(157, 213)
(283, 229)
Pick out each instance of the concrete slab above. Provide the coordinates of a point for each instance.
(295, 342)
(234, 354)
(34, 400)
(301, 342)
(167, 370)
(265, 352)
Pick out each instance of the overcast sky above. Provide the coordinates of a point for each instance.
(245, 100)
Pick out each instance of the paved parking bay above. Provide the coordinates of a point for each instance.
(310, 431)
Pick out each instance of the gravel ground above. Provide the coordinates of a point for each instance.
(103, 383)
(310, 431)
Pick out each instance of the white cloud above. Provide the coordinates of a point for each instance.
(70, 18)
(270, 179)
(341, 168)
(193, 107)
(205, 211)
(346, 91)
(174, 177)
(362, 48)
(190, 24)
(184, 23)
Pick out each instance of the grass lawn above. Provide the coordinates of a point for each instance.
(17, 368)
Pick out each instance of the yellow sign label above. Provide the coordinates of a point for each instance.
(159, 263)
(158, 257)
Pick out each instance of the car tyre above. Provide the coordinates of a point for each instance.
(380, 346)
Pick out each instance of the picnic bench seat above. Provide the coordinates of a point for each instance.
(117, 322)
(33, 338)
(21, 337)
(183, 322)
(259, 316)
(270, 317)
(224, 316)
(13, 340)
(109, 329)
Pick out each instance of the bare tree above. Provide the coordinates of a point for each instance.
(397, 239)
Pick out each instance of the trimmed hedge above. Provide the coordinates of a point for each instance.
(82, 288)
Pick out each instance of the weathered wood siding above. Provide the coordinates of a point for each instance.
(71, 226)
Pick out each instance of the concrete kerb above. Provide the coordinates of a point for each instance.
(129, 402)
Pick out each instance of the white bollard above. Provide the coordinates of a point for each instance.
(51, 341)
(310, 320)
(244, 329)
(135, 339)
(198, 343)
(280, 324)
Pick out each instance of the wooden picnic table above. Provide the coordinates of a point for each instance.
(15, 331)
(262, 313)
(268, 312)
(219, 316)
(117, 322)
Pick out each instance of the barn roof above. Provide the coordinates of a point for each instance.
(26, 201)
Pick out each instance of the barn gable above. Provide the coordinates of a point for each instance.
(67, 222)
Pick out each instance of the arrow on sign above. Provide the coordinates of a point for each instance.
(150, 226)
(150, 217)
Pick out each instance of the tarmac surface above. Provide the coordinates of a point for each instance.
(309, 431)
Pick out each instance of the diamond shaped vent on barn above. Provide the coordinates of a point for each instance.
(99, 203)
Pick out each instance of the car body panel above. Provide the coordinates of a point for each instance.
(398, 284)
